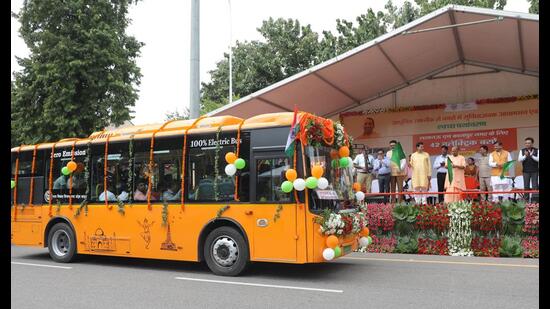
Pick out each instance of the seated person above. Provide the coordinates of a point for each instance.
(62, 182)
(141, 192)
(173, 193)
(123, 196)
(110, 195)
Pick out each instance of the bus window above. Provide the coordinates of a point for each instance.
(117, 173)
(142, 173)
(25, 175)
(61, 184)
(204, 183)
(270, 174)
(167, 158)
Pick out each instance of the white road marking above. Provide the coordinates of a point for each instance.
(261, 285)
(442, 262)
(42, 265)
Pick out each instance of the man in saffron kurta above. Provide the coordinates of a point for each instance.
(497, 159)
(421, 172)
(458, 184)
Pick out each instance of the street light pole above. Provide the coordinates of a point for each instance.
(194, 90)
(230, 55)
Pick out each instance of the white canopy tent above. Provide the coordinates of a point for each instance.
(483, 57)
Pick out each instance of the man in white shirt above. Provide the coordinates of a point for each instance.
(363, 165)
(441, 171)
(111, 197)
(497, 159)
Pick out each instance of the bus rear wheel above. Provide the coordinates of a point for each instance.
(62, 243)
(226, 252)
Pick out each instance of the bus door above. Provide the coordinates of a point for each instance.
(275, 230)
(27, 223)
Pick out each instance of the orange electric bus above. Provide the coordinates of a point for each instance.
(123, 196)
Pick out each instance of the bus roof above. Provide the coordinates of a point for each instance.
(174, 127)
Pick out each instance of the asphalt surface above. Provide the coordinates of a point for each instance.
(359, 280)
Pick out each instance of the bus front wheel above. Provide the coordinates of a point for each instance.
(226, 252)
(62, 243)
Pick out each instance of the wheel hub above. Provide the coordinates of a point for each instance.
(225, 251)
(61, 243)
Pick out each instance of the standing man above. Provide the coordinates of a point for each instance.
(458, 184)
(382, 168)
(496, 161)
(439, 166)
(484, 173)
(529, 158)
(421, 172)
(363, 164)
(397, 175)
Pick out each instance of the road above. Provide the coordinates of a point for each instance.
(359, 280)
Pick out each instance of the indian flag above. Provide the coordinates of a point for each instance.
(291, 140)
(398, 156)
(506, 167)
(450, 169)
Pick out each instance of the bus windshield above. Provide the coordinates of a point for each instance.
(339, 194)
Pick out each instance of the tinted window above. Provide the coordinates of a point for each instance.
(270, 174)
(63, 185)
(117, 172)
(206, 177)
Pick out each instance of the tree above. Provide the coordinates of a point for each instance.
(81, 73)
(289, 49)
(176, 115)
(397, 17)
(428, 6)
(534, 6)
(370, 26)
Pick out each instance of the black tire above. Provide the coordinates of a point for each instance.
(62, 243)
(226, 237)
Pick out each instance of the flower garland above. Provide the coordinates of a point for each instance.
(131, 170)
(217, 164)
(330, 223)
(460, 230)
(164, 212)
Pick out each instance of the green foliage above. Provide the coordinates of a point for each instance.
(405, 212)
(277, 214)
(120, 205)
(428, 6)
(220, 211)
(403, 227)
(83, 205)
(81, 74)
(397, 17)
(289, 47)
(407, 244)
(534, 6)
(511, 247)
(513, 217)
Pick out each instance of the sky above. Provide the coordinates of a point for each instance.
(164, 27)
